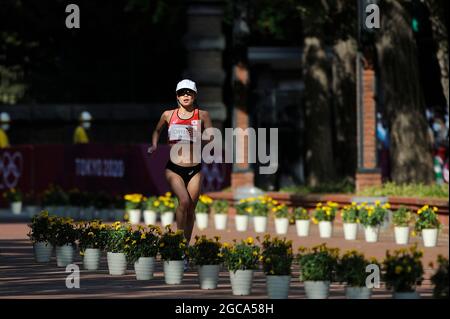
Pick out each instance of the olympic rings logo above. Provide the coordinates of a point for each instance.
(10, 169)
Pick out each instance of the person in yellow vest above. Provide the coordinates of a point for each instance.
(80, 135)
(4, 126)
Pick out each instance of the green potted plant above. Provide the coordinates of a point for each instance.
(277, 259)
(133, 207)
(281, 213)
(202, 211)
(324, 215)
(242, 215)
(350, 219)
(241, 259)
(55, 200)
(403, 272)
(371, 217)
(427, 223)
(14, 198)
(259, 209)
(116, 246)
(92, 237)
(166, 205)
(150, 211)
(141, 249)
(64, 237)
(220, 209)
(302, 221)
(351, 270)
(41, 234)
(401, 218)
(440, 278)
(173, 251)
(317, 267)
(206, 254)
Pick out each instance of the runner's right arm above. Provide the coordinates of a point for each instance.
(157, 132)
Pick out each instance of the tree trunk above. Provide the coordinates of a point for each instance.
(319, 155)
(411, 157)
(344, 100)
(440, 34)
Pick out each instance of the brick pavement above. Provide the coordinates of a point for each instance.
(21, 277)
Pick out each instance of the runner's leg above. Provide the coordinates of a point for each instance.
(193, 188)
(176, 183)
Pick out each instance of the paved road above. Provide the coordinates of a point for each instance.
(21, 277)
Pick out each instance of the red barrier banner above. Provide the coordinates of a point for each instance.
(116, 169)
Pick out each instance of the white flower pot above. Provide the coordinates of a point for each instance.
(150, 217)
(278, 286)
(173, 271)
(302, 226)
(64, 255)
(401, 235)
(317, 289)
(281, 225)
(208, 276)
(117, 263)
(202, 220)
(358, 292)
(430, 237)
(406, 295)
(325, 229)
(371, 233)
(167, 218)
(43, 251)
(260, 224)
(91, 258)
(134, 216)
(16, 208)
(350, 231)
(241, 222)
(144, 268)
(241, 282)
(220, 221)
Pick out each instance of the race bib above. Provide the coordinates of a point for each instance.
(181, 132)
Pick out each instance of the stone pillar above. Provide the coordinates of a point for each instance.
(368, 172)
(205, 43)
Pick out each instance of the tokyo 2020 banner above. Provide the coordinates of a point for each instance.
(116, 169)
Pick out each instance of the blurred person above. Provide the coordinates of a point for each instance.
(4, 126)
(383, 148)
(80, 135)
(183, 171)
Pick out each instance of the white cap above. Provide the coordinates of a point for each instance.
(85, 116)
(4, 117)
(186, 84)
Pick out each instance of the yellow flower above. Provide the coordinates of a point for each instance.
(315, 221)
(398, 269)
(161, 245)
(353, 204)
(168, 194)
(435, 209)
(226, 245)
(250, 240)
(255, 253)
(90, 234)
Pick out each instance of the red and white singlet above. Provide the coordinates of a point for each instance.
(178, 128)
